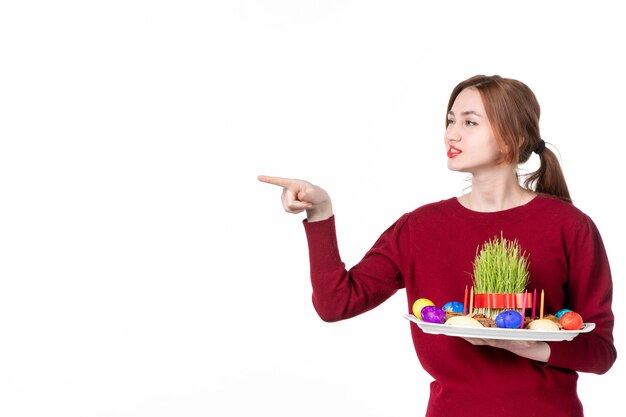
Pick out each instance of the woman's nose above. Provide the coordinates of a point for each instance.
(452, 136)
(452, 133)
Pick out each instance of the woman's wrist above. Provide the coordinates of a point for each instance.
(320, 212)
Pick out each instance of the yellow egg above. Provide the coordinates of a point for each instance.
(419, 304)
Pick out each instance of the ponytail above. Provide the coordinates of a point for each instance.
(549, 178)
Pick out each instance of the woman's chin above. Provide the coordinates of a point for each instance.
(454, 166)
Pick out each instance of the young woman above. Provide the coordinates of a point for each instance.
(492, 126)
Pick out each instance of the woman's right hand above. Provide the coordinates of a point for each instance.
(299, 195)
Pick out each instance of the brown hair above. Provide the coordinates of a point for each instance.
(513, 111)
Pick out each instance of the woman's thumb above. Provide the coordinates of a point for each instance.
(301, 195)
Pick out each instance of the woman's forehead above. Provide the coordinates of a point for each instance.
(468, 101)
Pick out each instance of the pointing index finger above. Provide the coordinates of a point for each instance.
(281, 182)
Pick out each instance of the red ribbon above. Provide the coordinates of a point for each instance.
(501, 300)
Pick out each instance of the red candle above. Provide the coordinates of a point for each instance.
(532, 316)
(465, 302)
(523, 309)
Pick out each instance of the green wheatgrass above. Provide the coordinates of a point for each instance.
(500, 267)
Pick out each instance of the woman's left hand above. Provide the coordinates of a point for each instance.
(538, 351)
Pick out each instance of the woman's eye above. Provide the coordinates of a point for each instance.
(449, 122)
(471, 123)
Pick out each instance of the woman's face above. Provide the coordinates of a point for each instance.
(470, 143)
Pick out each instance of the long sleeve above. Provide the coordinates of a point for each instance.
(589, 289)
(339, 293)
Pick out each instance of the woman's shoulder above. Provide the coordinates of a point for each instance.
(564, 215)
(431, 210)
(557, 207)
(424, 217)
(434, 207)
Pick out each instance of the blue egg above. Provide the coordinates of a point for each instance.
(509, 319)
(453, 306)
(561, 312)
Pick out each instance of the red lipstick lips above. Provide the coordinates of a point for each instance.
(452, 152)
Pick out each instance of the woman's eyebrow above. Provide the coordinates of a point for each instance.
(466, 113)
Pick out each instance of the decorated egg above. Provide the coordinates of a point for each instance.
(571, 321)
(432, 314)
(543, 324)
(419, 304)
(509, 319)
(560, 313)
(462, 321)
(453, 306)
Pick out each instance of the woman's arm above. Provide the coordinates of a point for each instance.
(537, 351)
(339, 293)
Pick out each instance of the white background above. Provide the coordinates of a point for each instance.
(143, 269)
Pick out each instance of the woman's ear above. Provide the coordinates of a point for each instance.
(505, 150)
(521, 140)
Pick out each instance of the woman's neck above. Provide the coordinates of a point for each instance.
(496, 193)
